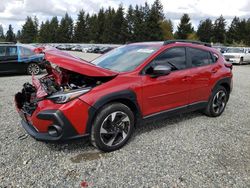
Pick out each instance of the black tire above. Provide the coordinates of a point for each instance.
(241, 61)
(33, 68)
(211, 109)
(115, 121)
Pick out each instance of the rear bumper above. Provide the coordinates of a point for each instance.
(61, 127)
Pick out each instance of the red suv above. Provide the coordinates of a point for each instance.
(107, 97)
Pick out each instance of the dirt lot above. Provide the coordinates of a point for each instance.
(189, 150)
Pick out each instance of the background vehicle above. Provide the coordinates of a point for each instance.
(237, 55)
(77, 48)
(17, 58)
(106, 98)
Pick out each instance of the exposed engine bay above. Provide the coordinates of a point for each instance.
(57, 86)
(69, 81)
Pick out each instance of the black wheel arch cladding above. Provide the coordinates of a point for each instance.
(224, 82)
(127, 97)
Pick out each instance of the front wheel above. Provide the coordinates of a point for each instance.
(33, 68)
(241, 61)
(217, 102)
(112, 127)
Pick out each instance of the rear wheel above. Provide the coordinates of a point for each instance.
(217, 102)
(112, 127)
(33, 68)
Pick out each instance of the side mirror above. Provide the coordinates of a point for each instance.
(160, 70)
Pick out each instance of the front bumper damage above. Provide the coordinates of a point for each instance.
(47, 121)
(59, 129)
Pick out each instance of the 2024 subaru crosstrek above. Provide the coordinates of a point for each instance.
(105, 99)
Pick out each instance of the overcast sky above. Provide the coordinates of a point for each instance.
(15, 11)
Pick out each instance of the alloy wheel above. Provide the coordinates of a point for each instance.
(115, 128)
(33, 69)
(219, 102)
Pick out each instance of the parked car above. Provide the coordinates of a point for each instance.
(105, 49)
(237, 55)
(85, 49)
(93, 49)
(107, 98)
(77, 48)
(17, 58)
(64, 47)
(222, 49)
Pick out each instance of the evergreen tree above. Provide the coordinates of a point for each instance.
(167, 29)
(65, 30)
(139, 25)
(146, 22)
(10, 36)
(219, 32)
(233, 33)
(153, 23)
(29, 31)
(1, 33)
(45, 33)
(205, 30)
(18, 35)
(93, 29)
(87, 19)
(247, 37)
(184, 28)
(120, 26)
(53, 28)
(80, 28)
(130, 23)
(109, 27)
(100, 25)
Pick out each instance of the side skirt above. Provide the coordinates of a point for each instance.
(175, 111)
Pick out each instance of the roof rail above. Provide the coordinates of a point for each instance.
(7, 42)
(187, 41)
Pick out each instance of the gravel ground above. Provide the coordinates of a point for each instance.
(189, 150)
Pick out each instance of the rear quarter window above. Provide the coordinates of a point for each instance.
(214, 57)
(25, 52)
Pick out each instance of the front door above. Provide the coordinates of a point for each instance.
(169, 91)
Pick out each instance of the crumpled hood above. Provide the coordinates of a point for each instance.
(75, 64)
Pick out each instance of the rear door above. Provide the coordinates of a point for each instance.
(12, 59)
(3, 62)
(8, 59)
(203, 69)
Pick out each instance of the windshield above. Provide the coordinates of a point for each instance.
(125, 58)
(235, 50)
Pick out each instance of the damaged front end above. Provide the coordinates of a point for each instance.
(61, 85)
(49, 106)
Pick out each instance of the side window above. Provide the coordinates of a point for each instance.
(200, 57)
(215, 57)
(2, 51)
(174, 57)
(12, 51)
(25, 52)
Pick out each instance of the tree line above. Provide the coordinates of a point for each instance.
(138, 23)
